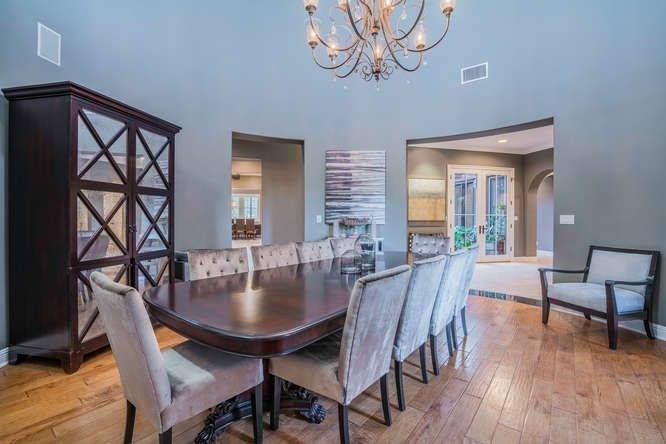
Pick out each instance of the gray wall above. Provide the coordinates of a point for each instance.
(282, 198)
(215, 67)
(432, 163)
(545, 215)
(536, 166)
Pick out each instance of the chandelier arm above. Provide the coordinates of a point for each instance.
(333, 67)
(353, 24)
(428, 48)
(323, 42)
(387, 25)
(353, 68)
(395, 59)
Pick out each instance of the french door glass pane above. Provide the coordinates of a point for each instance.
(149, 172)
(496, 215)
(85, 302)
(158, 210)
(152, 272)
(97, 239)
(94, 160)
(465, 223)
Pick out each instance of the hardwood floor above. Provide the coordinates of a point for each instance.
(512, 380)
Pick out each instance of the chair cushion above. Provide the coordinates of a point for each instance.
(201, 377)
(619, 266)
(593, 296)
(314, 367)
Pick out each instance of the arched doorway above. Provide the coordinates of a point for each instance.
(539, 214)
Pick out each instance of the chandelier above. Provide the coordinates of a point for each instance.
(377, 42)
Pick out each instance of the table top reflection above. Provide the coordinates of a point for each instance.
(262, 313)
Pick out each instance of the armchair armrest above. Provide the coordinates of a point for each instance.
(557, 270)
(648, 281)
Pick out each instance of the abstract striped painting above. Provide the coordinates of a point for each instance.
(355, 185)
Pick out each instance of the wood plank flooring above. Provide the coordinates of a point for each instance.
(512, 380)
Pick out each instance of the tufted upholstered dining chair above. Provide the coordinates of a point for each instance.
(429, 245)
(178, 383)
(213, 263)
(618, 284)
(461, 301)
(272, 256)
(445, 304)
(342, 366)
(415, 318)
(342, 244)
(314, 251)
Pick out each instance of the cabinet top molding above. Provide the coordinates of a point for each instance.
(74, 89)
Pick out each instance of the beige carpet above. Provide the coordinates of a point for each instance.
(514, 278)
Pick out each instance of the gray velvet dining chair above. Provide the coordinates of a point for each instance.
(213, 263)
(173, 385)
(429, 245)
(414, 324)
(463, 295)
(314, 251)
(445, 304)
(273, 256)
(342, 366)
(342, 244)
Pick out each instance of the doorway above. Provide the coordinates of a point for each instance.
(245, 202)
(481, 210)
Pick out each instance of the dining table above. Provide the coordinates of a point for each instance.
(262, 314)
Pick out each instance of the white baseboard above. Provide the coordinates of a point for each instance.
(4, 357)
(635, 325)
(544, 253)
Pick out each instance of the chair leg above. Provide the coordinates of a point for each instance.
(424, 365)
(454, 339)
(165, 437)
(648, 328)
(343, 423)
(129, 422)
(257, 415)
(545, 310)
(587, 316)
(449, 341)
(612, 331)
(399, 388)
(386, 407)
(463, 318)
(275, 403)
(433, 353)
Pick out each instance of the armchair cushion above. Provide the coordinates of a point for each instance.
(619, 266)
(593, 296)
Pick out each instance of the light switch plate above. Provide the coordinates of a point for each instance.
(319, 219)
(567, 219)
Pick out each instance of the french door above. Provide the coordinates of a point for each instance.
(480, 210)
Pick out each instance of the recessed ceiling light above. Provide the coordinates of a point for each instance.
(502, 141)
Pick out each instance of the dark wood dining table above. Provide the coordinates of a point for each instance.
(261, 314)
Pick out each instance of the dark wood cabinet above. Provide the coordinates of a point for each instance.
(90, 188)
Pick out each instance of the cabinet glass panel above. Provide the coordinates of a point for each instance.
(152, 221)
(102, 148)
(152, 159)
(101, 224)
(90, 323)
(152, 272)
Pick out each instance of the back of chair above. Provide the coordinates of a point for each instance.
(272, 256)
(370, 326)
(140, 363)
(414, 322)
(342, 244)
(314, 251)
(429, 245)
(449, 289)
(249, 225)
(617, 264)
(212, 263)
(472, 256)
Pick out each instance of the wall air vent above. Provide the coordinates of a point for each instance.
(48, 44)
(474, 73)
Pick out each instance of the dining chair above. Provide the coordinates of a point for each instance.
(414, 323)
(342, 366)
(441, 320)
(429, 245)
(461, 302)
(249, 229)
(272, 256)
(314, 251)
(175, 384)
(342, 244)
(240, 224)
(213, 263)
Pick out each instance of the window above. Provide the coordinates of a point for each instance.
(245, 206)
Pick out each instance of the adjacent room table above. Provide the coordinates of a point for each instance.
(261, 314)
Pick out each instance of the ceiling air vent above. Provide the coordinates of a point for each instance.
(474, 73)
(48, 44)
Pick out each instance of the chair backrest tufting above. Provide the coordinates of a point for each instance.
(212, 263)
(135, 348)
(370, 326)
(428, 245)
(314, 251)
(342, 244)
(272, 256)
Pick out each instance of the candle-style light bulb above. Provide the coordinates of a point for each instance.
(333, 46)
(447, 6)
(420, 36)
(311, 5)
(343, 4)
(311, 32)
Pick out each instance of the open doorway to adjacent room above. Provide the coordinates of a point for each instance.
(267, 183)
(494, 189)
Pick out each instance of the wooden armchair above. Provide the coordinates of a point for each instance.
(618, 285)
